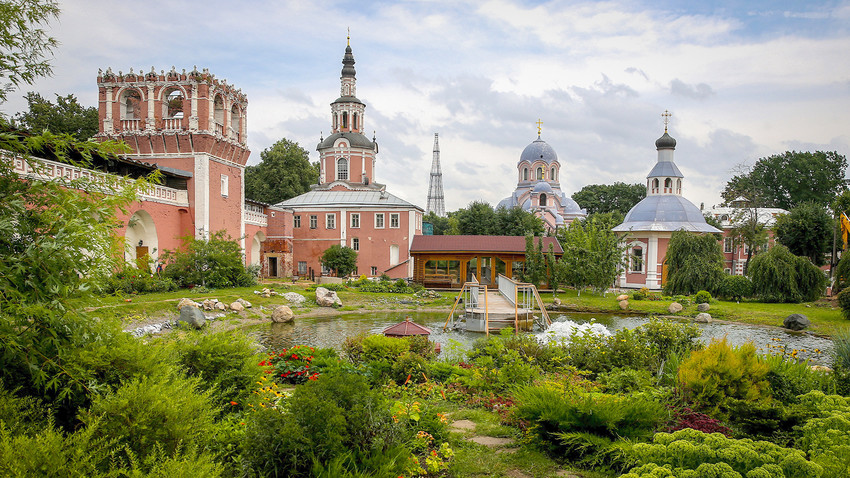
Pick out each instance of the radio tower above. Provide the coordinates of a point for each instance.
(436, 201)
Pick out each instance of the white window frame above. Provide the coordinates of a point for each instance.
(314, 221)
(330, 221)
(374, 270)
(727, 245)
(379, 220)
(339, 170)
(632, 257)
(355, 243)
(395, 218)
(225, 185)
(296, 220)
(355, 220)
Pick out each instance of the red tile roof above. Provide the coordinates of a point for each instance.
(510, 244)
(406, 328)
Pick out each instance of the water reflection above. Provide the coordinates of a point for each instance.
(332, 331)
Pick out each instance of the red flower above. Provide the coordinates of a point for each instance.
(233, 403)
(295, 356)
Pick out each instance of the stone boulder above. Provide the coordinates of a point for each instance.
(184, 302)
(244, 303)
(624, 304)
(703, 318)
(282, 314)
(796, 322)
(556, 301)
(237, 307)
(209, 304)
(675, 308)
(622, 297)
(220, 306)
(704, 307)
(193, 316)
(295, 298)
(327, 298)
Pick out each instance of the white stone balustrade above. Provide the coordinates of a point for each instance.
(171, 124)
(130, 124)
(256, 218)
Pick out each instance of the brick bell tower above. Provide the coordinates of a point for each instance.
(191, 124)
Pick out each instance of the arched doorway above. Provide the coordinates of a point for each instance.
(141, 246)
(256, 247)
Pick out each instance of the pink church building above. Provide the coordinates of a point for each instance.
(348, 207)
(539, 189)
(648, 226)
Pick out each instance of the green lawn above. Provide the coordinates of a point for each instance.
(825, 316)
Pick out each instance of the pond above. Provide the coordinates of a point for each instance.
(332, 331)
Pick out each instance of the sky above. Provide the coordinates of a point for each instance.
(742, 80)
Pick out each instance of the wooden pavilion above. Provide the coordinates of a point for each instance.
(449, 261)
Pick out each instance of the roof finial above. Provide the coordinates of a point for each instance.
(348, 37)
(666, 115)
(539, 126)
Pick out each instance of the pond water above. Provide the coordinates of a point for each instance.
(332, 331)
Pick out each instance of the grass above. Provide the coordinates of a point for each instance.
(825, 317)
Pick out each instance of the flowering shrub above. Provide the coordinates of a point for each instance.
(687, 418)
(292, 365)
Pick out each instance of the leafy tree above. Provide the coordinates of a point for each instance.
(789, 179)
(842, 274)
(592, 255)
(66, 116)
(283, 173)
(215, 262)
(441, 224)
(478, 218)
(342, 260)
(24, 43)
(535, 262)
(617, 197)
(780, 276)
(605, 220)
(513, 221)
(806, 231)
(694, 263)
(748, 232)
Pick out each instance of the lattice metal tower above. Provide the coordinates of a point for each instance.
(436, 201)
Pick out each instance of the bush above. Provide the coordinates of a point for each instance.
(380, 347)
(695, 262)
(226, 364)
(842, 274)
(825, 437)
(144, 414)
(715, 455)
(736, 287)
(712, 376)
(215, 263)
(291, 366)
(686, 418)
(322, 421)
(844, 302)
(625, 380)
(779, 276)
(789, 378)
(131, 280)
(702, 297)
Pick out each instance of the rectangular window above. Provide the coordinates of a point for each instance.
(637, 259)
(728, 271)
(314, 221)
(296, 221)
(374, 271)
(394, 220)
(355, 220)
(225, 181)
(379, 220)
(330, 221)
(355, 243)
(727, 245)
(302, 268)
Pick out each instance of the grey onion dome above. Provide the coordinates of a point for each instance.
(542, 187)
(538, 150)
(665, 142)
(348, 63)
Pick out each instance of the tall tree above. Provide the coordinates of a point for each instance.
(748, 232)
(441, 225)
(283, 173)
(789, 179)
(617, 197)
(66, 116)
(806, 231)
(478, 218)
(592, 255)
(513, 221)
(694, 263)
(24, 44)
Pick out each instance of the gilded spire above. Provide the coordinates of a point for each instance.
(539, 127)
(666, 115)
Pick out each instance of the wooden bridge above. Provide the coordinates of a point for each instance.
(486, 309)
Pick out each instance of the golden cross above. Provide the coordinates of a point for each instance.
(348, 37)
(539, 126)
(666, 115)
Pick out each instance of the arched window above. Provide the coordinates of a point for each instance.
(525, 174)
(342, 168)
(542, 199)
(679, 186)
(344, 119)
(539, 174)
(552, 174)
(336, 121)
(172, 105)
(668, 185)
(655, 185)
(354, 121)
(234, 119)
(218, 111)
(131, 102)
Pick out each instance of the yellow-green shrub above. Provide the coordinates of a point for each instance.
(710, 376)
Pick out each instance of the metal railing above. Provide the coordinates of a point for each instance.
(523, 295)
(469, 294)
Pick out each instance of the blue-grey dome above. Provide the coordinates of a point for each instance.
(538, 150)
(665, 169)
(542, 187)
(665, 213)
(665, 142)
(569, 205)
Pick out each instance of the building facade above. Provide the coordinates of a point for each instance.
(348, 207)
(648, 226)
(539, 189)
(735, 254)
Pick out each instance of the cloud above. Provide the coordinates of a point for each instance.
(699, 91)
